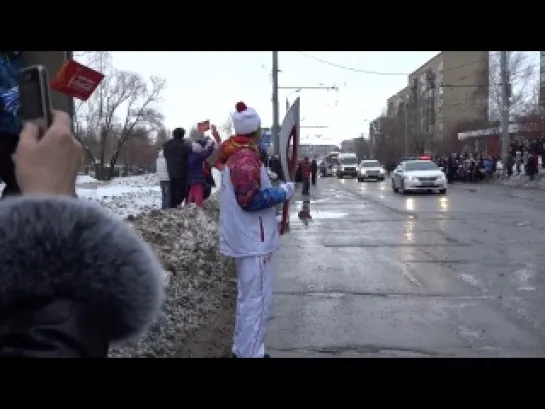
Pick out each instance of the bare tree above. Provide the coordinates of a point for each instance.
(124, 100)
(161, 138)
(227, 127)
(523, 79)
(389, 146)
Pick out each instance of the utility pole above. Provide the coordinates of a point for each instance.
(504, 72)
(276, 117)
(405, 128)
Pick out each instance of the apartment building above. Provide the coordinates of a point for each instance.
(444, 93)
(394, 104)
(348, 145)
(377, 128)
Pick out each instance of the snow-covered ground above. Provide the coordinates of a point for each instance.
(124, 196)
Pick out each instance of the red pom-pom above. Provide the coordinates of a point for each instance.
(240, 106)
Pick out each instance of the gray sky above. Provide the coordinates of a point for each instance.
(206, 85)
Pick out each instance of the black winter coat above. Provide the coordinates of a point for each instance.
(176, 152)
(73, 279)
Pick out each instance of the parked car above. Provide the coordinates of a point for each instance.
(371, 169)
(418, 175)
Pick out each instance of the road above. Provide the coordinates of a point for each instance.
(378, 274)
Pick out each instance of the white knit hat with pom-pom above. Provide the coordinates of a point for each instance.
(245, 119)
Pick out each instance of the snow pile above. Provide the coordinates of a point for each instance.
(523, 181)
(85, 180)
(198, 315)
(128, 196)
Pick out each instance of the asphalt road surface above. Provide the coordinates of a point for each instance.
(378, 274)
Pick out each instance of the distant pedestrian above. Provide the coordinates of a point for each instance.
(314, 171)
(164, 181)
(306, 173)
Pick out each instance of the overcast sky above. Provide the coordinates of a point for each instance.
(206, 85)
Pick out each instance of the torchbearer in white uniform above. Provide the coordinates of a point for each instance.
(249, 229)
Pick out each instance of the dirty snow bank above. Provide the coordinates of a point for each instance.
(523, 181)
(128, 196)
(198, 314)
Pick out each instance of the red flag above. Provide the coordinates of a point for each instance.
(204, 126)
(76, 80)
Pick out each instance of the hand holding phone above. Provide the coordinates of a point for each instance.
(35, 103)
(48, 165)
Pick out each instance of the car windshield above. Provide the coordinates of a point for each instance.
(373, 164)
(348, 161)
(420, 166)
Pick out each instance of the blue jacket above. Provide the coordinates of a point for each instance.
(9, 96)
(488, 165)
(196, 162)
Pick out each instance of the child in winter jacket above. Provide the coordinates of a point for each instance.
(197, 180)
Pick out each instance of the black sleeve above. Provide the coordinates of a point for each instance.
(73, 279)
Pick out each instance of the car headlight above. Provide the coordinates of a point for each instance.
(381, 171)
(409, 178)
(441, 177)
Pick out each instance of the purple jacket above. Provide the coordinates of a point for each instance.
(196, 161)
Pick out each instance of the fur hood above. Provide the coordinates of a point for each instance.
(65, 248)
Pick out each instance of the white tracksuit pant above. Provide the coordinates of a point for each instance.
(254, 304)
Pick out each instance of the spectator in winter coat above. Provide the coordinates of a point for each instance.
(249, 229)
(306, 173)
(196, 176)
(176, 152)
(164, 181)
(209, 181)
(94, 283)
(488, 164)
(314, 171)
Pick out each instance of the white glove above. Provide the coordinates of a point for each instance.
(289, 188)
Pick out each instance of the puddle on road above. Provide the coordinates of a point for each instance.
(524, 277)
(470, 280)
(469, 333)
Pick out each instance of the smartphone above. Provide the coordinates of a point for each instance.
(34, 99)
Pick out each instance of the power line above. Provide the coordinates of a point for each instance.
(381, 72)
(343, 67)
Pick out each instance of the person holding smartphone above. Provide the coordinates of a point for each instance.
(95, 282)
